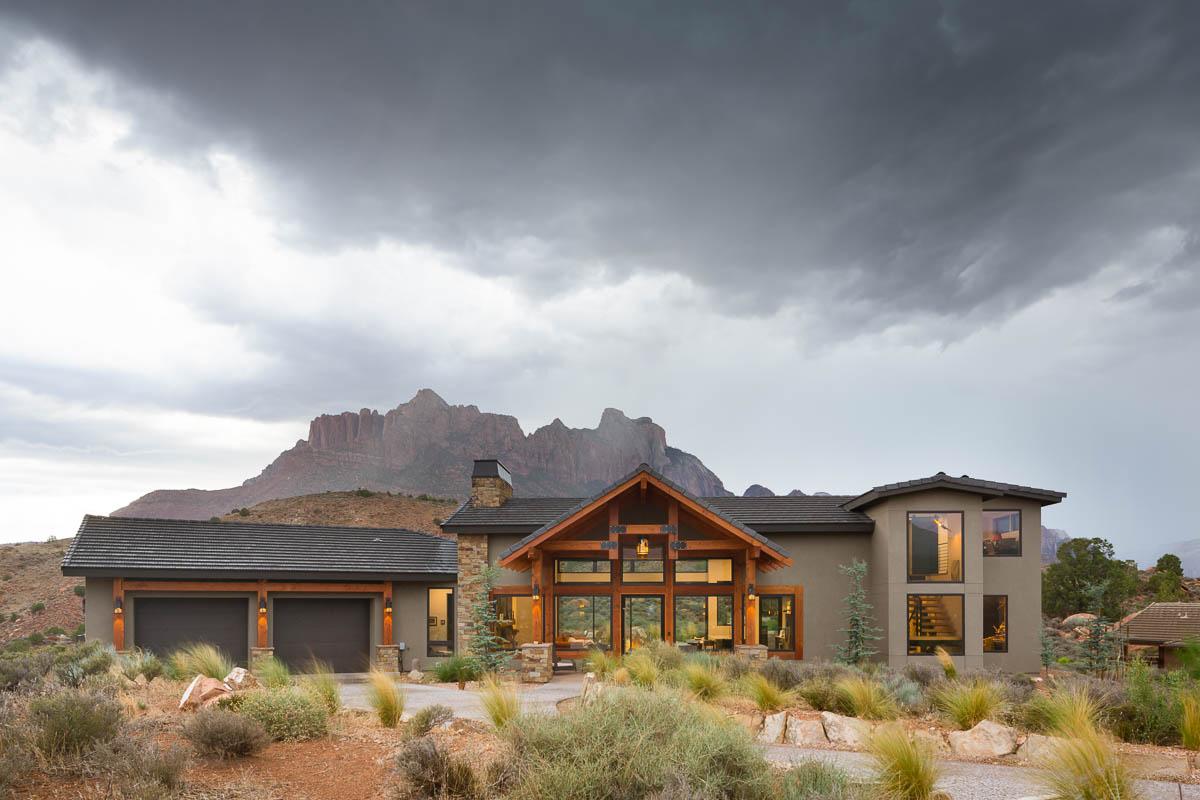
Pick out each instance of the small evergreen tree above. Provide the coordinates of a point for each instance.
(484, 645)
(1047, 651)
(1102, 648)
(860, 627)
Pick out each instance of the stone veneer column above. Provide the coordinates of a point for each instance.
(472, 558)
(258, 655)
(387, 657)
(537, 665)
(490, 491)
(753, 652)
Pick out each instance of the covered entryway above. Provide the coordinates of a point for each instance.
(641, 620)
(164, 624)
(336, 630)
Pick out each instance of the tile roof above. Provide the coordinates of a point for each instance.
(132, 547)
(1162, 623)
(529, 512)
(963, 483)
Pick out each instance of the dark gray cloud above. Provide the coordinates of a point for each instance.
(944, 157)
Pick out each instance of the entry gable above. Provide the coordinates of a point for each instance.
(770, 554)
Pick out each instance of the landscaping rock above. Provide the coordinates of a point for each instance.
(1035, 747)
(1157, 765)
(846, 731)
(240, 678)
(416, 676)
(805, 732)
(751, 720)
(203, 691)
(772, 728)
(140, 680)
(986, 740)
(932, 738)
(1076, 620)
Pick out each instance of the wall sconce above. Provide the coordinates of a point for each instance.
(118, 606)
(750, 595)
(643, 547)
(537, 592)
(262, 605)
(387, 605)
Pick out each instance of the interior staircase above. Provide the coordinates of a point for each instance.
(929, 620)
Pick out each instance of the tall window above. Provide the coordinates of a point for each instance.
(777, 622)
(441, 623)
(935, 546)
(641, 620)
(935, 620)
(705, 621)
(583, 621)
(704, 570)
(515, 626)
(582, 570)
(995, 623)
(1002, 533)
(646, 568)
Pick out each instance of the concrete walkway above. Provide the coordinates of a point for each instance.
(537, 699)
(966, 781)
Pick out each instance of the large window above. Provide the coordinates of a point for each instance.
(644, 568)
(704, 570)
(582, 570)
(935, 546)
(705, 621)
(583, 621)
(1002, 533)
(441, 623)
(777, 622)
(935, 620)
(515, 625)
(995, 623)
(641, 620)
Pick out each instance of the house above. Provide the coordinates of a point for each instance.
(1167, 626)
(953, 562)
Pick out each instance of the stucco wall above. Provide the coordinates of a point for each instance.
(98, 617)
(1021, 579)
(497, 544)
(815, 558)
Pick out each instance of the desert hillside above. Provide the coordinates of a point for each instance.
(359, 509)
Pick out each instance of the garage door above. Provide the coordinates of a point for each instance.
(164, 624)
(333, 630)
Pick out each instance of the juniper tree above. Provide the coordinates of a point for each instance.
(484, 645)
(860, 627)
(1103, 645)
(1047, 651)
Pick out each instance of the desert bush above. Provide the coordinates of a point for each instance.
(80, 629)
(106, 683)
(784, 674)
(735, 668)
(600, 662)
(1189, 721)
(385, 698)
(80, 590)
(36, 638)
(767, 696)
(24, 668)
(37, 608)
(1067, 708)
(865, 698)
(199, 659)
(271, 673)
(21, 645)
(1151, 712)
(907, 693)
(946, 663)
(321, 684)
(287, 714)
(621, 676)
(904, 769)
(455, 669)
(225, 734)
(1086, 767)
(821, 695)
(54, 630)
(705, 682)
(429, 718)
(627, 744)
(141, 662)
(73, 723)
(143, 769)
(666, 656)
(16, 747)
(428, 772)
(500, 702)
(642, 667)
(924, 675)
(969, 703)
(817, 780)
(74, 664)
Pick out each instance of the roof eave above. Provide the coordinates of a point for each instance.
(244, 574)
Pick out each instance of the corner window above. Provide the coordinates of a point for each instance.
(582, 570)
(935, 620)
(583, 621)
(995, 623)
(515, 625)
(1002, 533)
(704, 570)
(935, 546)
(646, 567)
(777, 622)
(440, 637)
(705, 621)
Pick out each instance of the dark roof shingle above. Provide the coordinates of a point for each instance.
(963, 483)
(134, 547)
(1162, 623)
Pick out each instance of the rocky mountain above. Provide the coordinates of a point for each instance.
(1052, 539)
(427, 446)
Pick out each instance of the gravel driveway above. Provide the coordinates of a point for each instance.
(543, 698)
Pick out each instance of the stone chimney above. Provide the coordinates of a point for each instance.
(491, 483)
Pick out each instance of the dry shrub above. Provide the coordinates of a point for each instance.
(385, 698)
(766, 695)
(904, 769)
(272, 673)
(705, 682)
(143, 769)
(642, 667)
(1189, 722)
(429, 718)
(225, 734)
(1086, 767)
(866, 699)
(287, 714)
(500, 702)
(946, 662)
(968, 704)
(1068, 708)
(73, 723)
(428, 772)
(321, 684)
(199, 659)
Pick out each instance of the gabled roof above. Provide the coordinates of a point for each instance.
(132, 547)
(622, 484)
(797, 514)
(986, 489)
(1162, 623)
(517, 512)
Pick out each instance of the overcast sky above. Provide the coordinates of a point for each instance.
(824, 248)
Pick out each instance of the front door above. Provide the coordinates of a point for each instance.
(641, 620)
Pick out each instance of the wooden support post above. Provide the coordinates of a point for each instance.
(613, 520)
(673, 534)
(739, 614)
(118, 614)
(539, 602)
(751, 605)
(389, 593)
(260, 612)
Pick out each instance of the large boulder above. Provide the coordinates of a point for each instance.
(1078, 619)
(846, 731)
(933, 739)
(240, 678)
(1171, 766)
(1035, 747)
(750, 720)
(416, 676)
(772, 728)
(805, 732)
(986, 740)
(203, 692)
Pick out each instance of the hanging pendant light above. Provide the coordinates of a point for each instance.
(643, 547)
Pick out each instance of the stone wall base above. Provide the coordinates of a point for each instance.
(536, 662)
(387, 657)
(257, 655)
(753, 652)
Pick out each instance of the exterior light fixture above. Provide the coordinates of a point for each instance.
(643, 547)
(750, 595)
(118, 606)
(537, 592)
(387, 605)
(262, 605)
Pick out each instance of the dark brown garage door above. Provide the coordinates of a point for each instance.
(164, 624)
(333, 630)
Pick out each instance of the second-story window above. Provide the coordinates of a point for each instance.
(1002, 533)
(935, 546)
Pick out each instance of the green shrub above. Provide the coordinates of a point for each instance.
(54, 630)
(821, 695)
(321, 684)
(225, 734)
(140, 662)
(455, 669)
(14, 616)
(1151, 712)
(199, 659)
(21, 645)
(643, 669)
(75, 664)
(385, 698)
(430, 773)
(1085, 767)
(272, 673)
(287, 714)
(80, 590)
(864, 698)
(429, 718)
(627, 745)
(73, 723)
(767, 696)
(666, 656)
(600, 663)
(705, 682)
(968, 704)
(37, 608)
(500, 702)
(23, 668)
(1189, 722)
(904, 769)
(817, 780)
(36, 638)
(1067, 708)
(363, 493)
(243, 512)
